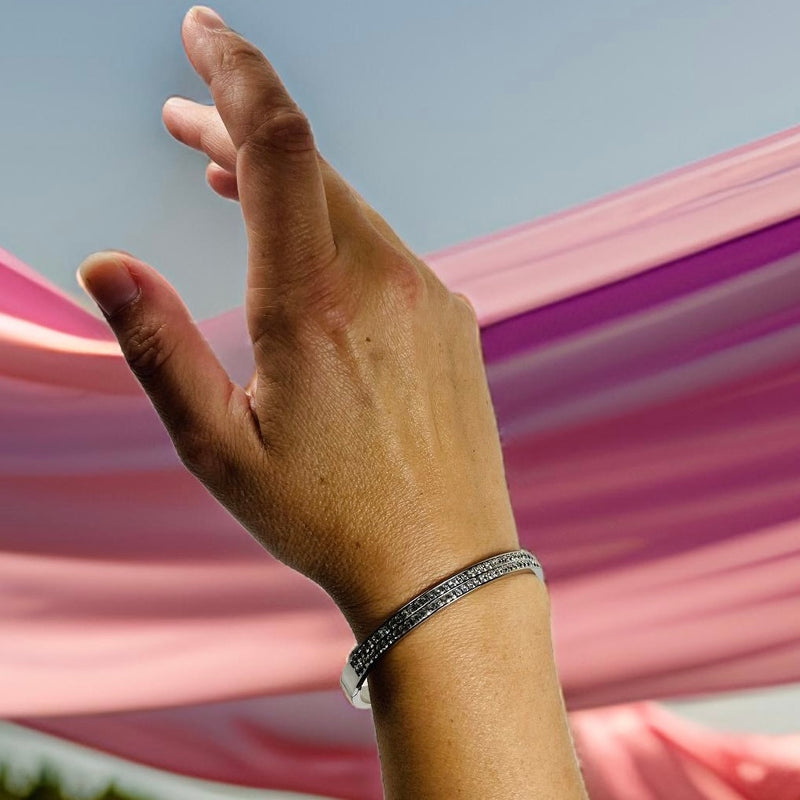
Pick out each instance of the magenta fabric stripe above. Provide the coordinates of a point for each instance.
(641, 291)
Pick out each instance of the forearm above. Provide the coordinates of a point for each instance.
(468, 704)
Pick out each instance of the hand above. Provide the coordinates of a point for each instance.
(365, 452)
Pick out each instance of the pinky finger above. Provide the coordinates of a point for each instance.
(222, 182)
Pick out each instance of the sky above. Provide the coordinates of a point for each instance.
(454, 119)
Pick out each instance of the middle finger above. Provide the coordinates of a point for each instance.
(200, 126)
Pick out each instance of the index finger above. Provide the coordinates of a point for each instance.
(279, 180)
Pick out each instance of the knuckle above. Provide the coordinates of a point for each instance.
(332, 303)
(405, 282)
(285, 130)
(274, 328)
(148, 347)
(238, 55)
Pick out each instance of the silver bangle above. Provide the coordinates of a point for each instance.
(361, 659)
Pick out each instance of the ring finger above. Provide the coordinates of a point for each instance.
(222, 182)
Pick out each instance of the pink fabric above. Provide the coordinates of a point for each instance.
(642, 751)
(637, 751)
(644, 357)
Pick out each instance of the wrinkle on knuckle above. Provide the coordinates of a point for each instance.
(274, 330)
(148, 348)
(231, 77)
(239, 55)
(285, 130)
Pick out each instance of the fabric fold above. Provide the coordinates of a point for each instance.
(643, 354)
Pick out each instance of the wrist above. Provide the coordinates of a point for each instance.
(471, 697)
(389, 588)
(482, 634)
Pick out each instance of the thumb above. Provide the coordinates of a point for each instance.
(205, 413)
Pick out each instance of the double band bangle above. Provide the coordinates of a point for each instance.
(354, 676)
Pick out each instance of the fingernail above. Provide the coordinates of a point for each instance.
(107, 281)
(207, 17)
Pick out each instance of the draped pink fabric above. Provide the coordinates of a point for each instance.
(643, 353)
(627, 752)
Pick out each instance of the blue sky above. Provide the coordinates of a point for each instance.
(454, 119)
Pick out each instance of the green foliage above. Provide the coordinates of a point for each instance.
(48, 787)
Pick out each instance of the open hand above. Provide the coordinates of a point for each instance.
(365, 452)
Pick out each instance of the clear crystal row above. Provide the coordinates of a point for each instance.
(429, 602)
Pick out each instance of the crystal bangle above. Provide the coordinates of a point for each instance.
(354, 676)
